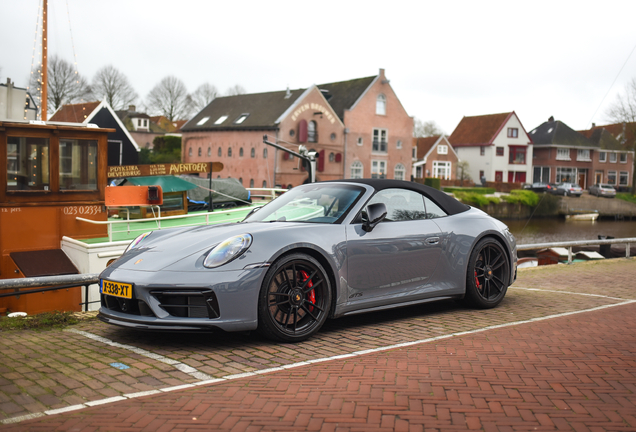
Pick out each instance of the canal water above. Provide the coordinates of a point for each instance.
(548, 230)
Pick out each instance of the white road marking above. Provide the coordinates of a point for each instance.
(210, 380)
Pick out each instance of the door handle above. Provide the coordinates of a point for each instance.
(432, 240)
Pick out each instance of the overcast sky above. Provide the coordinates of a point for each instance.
(445, 60)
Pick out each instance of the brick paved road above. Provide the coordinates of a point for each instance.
(576, 372)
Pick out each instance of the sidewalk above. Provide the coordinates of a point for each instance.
(558, 354)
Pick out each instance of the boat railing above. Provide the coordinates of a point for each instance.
(265, 194)
(570, 244)
(206, 220)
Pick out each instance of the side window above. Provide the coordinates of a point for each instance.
(432, 210)
(401, 204)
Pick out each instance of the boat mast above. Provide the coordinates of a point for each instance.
(44, 61)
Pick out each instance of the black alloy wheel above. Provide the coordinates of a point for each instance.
(294, 300)
(488, 274)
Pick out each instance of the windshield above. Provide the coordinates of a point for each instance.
(316, 203)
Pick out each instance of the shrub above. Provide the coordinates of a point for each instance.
(626, 197)
(525, 197)
(43, 321)
(433, 182)
(476, 199)
(477, 190)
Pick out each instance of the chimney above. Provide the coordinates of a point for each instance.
(132, 108)
(593, 125)
(551, 119)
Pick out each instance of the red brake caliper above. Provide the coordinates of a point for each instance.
(311, 295)
(477, 280)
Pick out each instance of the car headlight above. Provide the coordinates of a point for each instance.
(135, 243)
(227, 250)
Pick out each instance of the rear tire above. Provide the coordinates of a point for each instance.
(488, 275)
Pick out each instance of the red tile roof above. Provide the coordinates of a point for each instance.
(625, 133)
(75, 113)
(424, 145)
(478, 130)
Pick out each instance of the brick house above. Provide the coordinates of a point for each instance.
(619, 137)
(358, 128)
(434, 157)
(144, 128)
(497, 147)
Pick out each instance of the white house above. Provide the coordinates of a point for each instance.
(496, 147)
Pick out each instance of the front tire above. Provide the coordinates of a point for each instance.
(294, 300)
(488, 275)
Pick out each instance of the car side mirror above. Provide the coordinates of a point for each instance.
(375, 214)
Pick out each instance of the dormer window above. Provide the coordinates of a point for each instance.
(203, 121)
(380, 105)
(241, 118)
(220, 120)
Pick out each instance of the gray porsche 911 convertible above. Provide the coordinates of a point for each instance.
(321, 250)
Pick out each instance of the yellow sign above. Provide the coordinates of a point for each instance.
(163, 169)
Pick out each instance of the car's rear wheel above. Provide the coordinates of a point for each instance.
(294, 300)
(488, 274)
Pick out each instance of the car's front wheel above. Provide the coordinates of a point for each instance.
(294, 300)
(488, 274)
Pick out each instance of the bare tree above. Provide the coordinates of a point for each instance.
(463, 172)
(235, 90)
(203, 95)
(170, 98)
(425, 129)
(111, 85)
(65, 85)
(623, 110)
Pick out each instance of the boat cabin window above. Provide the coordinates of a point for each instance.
(78, 164)
(27, 163)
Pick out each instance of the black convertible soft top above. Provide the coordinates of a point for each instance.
(447, 203)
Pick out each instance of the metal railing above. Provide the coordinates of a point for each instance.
(265, 193)
(51, 283)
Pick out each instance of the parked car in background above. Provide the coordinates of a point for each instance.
(601, 189)
(569, 189)
(539, 187)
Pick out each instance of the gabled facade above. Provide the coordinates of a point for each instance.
(434, 157)
(496, 146)
(143, 128)
(617, 138)
(122, 148)
(358, 128)
(16, 103)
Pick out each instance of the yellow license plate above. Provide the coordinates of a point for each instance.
(117, 289)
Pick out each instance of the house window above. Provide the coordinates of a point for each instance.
(602, 157)
(541, 174)
(200, 151)
(264, 183)
(209, 151)
(253, 152)
(399, 144)
(563, 154)
(138, 122)
(583, 155)
(612, 157)
(264, 153)
(482, 151)
(356, 170)
(359, 141)
(399, 172)
(332, 136)
(500, 151)
(379, 140)
(332, 157)
(623, 178)
(481, 174)
(623, 157)
(229, 151)
(312, 133)
(414, 151)
(517, 155)
(380, 105)
(513, 132)
(145, 123)
(565, 175)
(442, 170)
(241, 119)
(251, 183)
(202, 121)
(442, 149)
(378, 169)
(220, 152)
(241, 152)
(611, 177)
(220, 120)
(190, 151)
(241, 180)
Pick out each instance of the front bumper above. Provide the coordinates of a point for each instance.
(185, 301)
